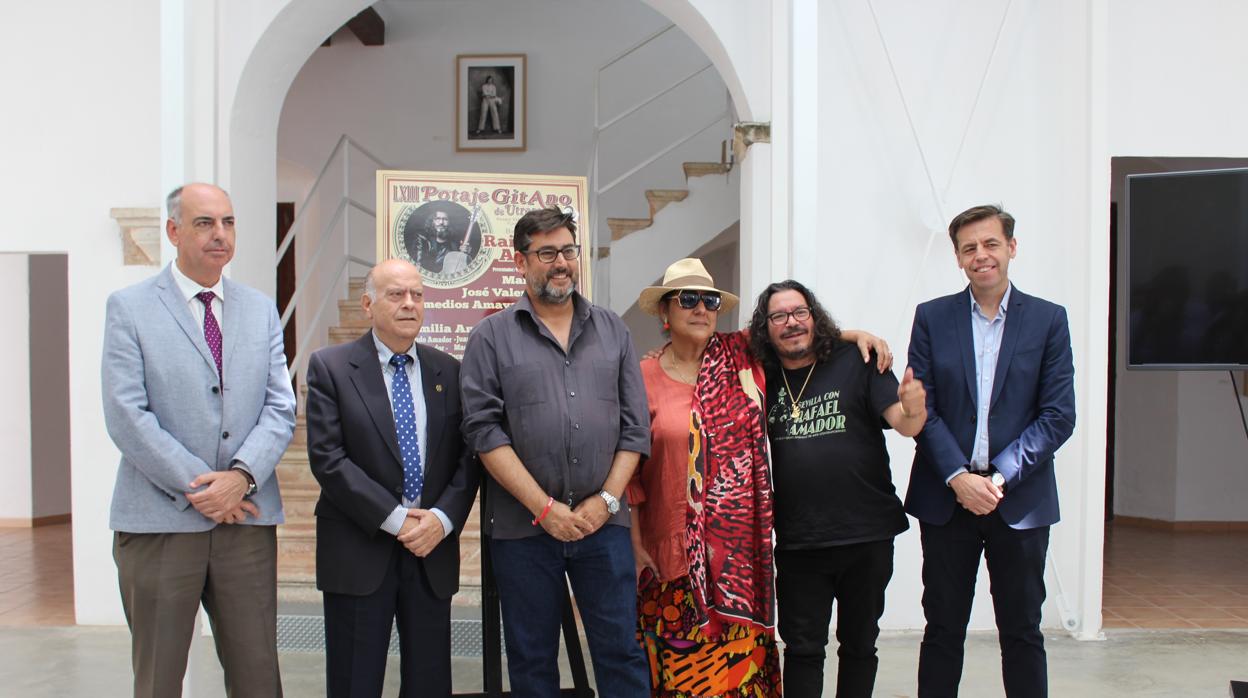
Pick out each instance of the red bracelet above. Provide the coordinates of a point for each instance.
(550, 501)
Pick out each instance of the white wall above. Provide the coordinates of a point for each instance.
(84, 140)
(15, 497)
(926, 109)
(1033, 140)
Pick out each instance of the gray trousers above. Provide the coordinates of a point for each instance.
(164, 577)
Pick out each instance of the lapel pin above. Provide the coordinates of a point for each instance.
(438, 387)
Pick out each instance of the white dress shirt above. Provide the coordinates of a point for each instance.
(190, 289)
(394, 522)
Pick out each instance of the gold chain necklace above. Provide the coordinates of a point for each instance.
(671, 360)
(797, 411)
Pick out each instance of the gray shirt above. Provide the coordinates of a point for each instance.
(564, 413)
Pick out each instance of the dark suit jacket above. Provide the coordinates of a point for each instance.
(1031, 415)
(355, 456)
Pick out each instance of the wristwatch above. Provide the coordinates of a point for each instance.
(999, 480)
(613, 504)
(251, 482)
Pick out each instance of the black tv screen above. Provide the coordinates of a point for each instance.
(1187, 270)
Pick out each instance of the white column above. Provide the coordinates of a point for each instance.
(780, 263)
(1093, 412)
(803, 137)
(172, 108)
(756, 247)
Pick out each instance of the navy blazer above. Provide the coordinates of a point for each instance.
(354, 454)
(1031, 415)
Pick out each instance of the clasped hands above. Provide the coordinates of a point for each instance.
(421, 532)
(976, 493)
(222, 497)
(566, 524)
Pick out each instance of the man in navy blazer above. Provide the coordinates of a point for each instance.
(999, 375)
(397, 483)
(198, 400)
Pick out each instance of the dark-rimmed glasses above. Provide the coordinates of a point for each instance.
(801, 313)
(546, 255)
(689, 299)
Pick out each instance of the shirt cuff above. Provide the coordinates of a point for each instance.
(394, 522)
(957, 473)
(446, 522)
(239, 465)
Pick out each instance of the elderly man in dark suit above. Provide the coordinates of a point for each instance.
(198, 401)
(396, 486)
(999, 375)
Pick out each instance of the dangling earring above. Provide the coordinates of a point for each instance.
(666, 325)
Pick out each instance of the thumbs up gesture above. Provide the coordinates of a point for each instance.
(912, 396)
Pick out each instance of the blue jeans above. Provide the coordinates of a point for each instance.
(530, 577)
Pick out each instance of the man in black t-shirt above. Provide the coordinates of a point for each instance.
(836, 510)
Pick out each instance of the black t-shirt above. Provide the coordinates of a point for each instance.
(833, 485)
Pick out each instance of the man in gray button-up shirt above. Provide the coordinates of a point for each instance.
(554, 404)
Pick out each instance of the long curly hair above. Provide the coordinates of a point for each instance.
(826, 333)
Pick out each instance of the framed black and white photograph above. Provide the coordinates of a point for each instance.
(489, 102)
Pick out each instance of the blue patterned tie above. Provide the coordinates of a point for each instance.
(405, 429)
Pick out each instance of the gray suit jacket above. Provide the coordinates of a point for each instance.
(170, 416)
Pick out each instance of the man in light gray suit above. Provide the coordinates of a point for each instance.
(198, 400)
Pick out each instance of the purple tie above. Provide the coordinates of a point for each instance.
(212, 331)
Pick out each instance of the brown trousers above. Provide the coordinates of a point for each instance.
(164, 577)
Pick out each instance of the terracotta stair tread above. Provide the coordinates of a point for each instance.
(620, 227)
(658, 198)
(700, 169)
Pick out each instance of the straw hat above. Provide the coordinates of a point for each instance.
(687, 273)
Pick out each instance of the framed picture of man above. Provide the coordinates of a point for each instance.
(490, 102)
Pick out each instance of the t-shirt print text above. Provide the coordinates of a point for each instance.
(819, 415)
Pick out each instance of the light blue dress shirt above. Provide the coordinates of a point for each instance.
(394, 522)
(986, 335)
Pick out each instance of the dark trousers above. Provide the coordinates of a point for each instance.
(232, 571)
(357, 635)
(531, 586)
(807, 582)
(1015, 568)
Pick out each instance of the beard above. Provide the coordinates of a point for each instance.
(793, 353)
(549, 293)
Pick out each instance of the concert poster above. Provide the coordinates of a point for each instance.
(457, 227)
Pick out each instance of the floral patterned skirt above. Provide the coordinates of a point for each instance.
(684, 663)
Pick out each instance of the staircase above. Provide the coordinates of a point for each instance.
(681, 222)
(296, 539)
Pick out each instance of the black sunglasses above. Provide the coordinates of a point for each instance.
(689, 299)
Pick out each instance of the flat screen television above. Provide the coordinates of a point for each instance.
(1187, 270)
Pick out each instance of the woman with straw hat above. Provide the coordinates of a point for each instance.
(702, 502)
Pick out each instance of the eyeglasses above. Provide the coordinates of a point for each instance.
(801, 313)
(689, 299)
(547, 254)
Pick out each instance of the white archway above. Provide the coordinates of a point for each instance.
(251, 111)
(247, 156)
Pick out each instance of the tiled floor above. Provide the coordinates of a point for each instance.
(1153, 579)
(1163, 579)
(36, 576)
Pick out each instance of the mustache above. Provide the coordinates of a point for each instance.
(795, 332)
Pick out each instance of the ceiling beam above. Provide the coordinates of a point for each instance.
(369, 27)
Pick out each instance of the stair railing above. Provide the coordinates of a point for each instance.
(596, 186)
(329, 280)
